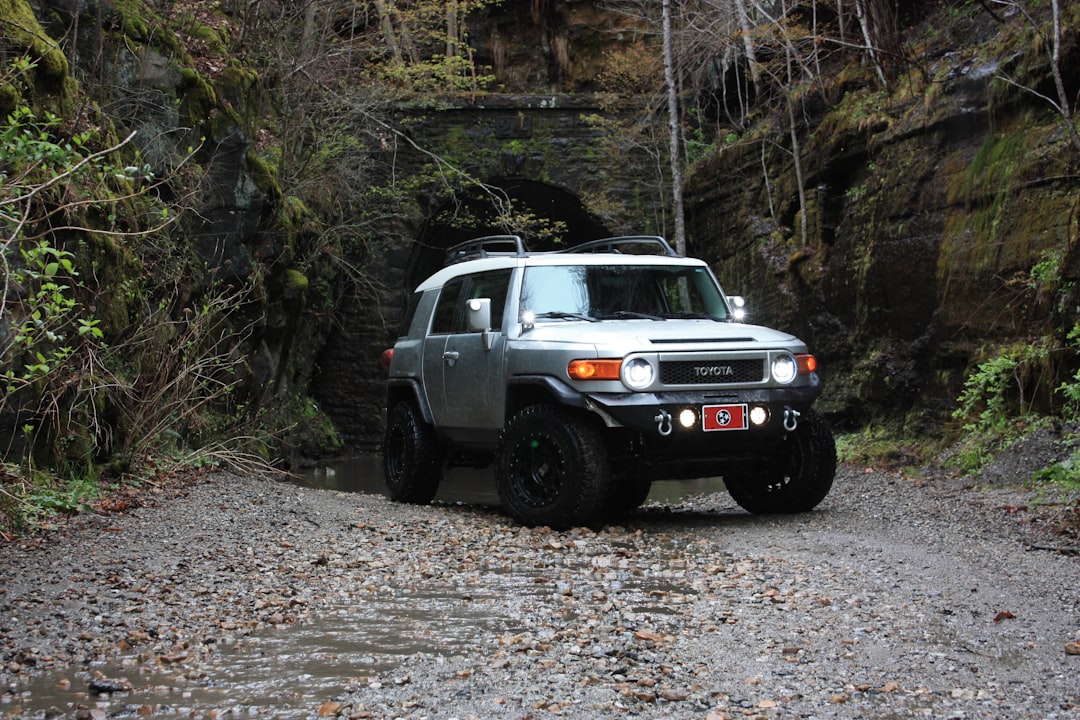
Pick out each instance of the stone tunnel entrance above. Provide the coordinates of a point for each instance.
(557, 209)
(350, 383)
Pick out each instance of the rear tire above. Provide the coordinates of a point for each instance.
(796, 482)
(552, 467)
(412, 458)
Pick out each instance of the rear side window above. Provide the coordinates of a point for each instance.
(449, 315)
(410, 313)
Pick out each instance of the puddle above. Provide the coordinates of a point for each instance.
(286, 672)
(468, 485)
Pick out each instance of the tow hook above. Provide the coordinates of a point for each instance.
(663, 422)
(791, 419)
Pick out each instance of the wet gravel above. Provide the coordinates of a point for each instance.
(895, 598)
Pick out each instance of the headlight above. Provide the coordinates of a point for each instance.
(638, 374)
(784, 368)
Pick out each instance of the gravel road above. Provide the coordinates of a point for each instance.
(895, 598)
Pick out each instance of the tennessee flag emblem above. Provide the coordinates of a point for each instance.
(723, 417)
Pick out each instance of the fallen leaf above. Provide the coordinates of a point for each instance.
(1003, 615)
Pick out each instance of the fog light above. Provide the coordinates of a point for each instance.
(759, 415)
(688, 418)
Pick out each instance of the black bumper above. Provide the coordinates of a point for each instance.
(657, 414)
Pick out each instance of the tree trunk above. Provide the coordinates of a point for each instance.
(451, 28)
(748, 46)
(673, 127)
(1059, 84)
(386, 24)
(870, 38)
(309, 34)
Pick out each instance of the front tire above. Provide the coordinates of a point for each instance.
(552, 467)
(412, 458)
(800, 478)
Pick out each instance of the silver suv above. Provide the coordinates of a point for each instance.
(586, 374)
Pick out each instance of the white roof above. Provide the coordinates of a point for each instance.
(497, 262)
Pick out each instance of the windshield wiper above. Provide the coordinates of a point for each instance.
(628, 314)
(560, 315)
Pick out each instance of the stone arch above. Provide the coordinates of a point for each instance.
(538, 198)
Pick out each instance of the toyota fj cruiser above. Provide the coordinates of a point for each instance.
(587, 373)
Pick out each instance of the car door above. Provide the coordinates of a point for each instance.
(464, 376)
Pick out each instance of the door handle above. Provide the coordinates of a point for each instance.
(450, 357)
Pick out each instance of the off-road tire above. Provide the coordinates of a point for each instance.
(412, 457)
(798, 480)
(552, 467)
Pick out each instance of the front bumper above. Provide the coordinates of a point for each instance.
(681, 417)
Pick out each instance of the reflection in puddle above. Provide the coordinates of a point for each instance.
(286, 672)
(467, 485)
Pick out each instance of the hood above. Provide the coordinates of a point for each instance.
(659, 334)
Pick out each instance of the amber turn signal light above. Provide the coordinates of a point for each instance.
(594, 369)
(807, 364)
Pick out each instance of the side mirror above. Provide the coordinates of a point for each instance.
(738, 307)
(478, 319)
(478, 314)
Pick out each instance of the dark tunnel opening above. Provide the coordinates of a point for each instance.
(474, 215)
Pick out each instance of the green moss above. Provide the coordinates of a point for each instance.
(10, 100)
(265, 174)
(1000, 219)
(215, 44)
(200, 98)
(295, 283)
(50, 84)
(293, 214)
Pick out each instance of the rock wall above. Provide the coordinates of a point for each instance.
(925, 217)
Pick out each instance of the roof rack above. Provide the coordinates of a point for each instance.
(657, 244)
(485, 247)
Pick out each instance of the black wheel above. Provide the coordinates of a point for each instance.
(412, 458)
(552, 467)
(628, 491)
(798, 480)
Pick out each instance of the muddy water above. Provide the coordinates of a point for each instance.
(286, 672)
(466, 485)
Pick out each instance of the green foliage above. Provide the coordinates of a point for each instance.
(1064, 475)
(1070, 390)
(995, 406)
(423, 47)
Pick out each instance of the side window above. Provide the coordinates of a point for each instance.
(493, 284)
(449, 315)
(409, 314)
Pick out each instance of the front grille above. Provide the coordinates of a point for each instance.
(712, 372)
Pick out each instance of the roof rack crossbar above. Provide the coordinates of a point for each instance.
(612, 245)
(485, 247)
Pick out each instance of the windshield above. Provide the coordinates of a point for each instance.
(602, 292)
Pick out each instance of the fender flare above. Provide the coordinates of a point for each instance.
(398, 388)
